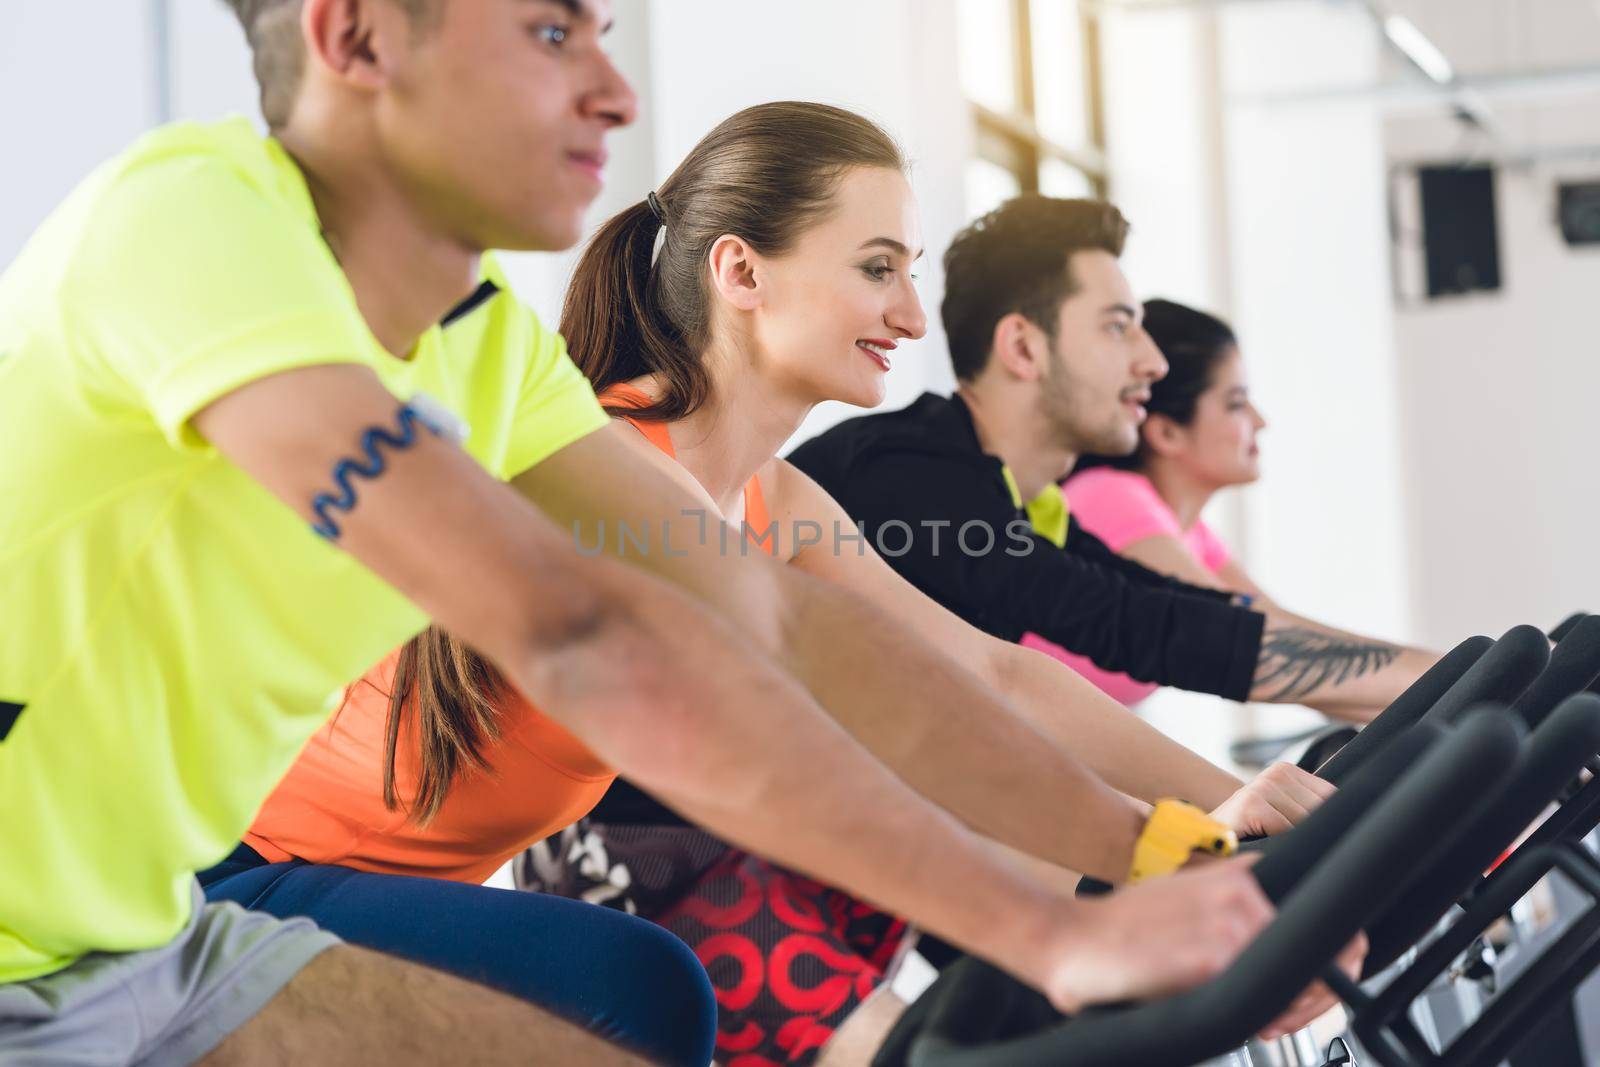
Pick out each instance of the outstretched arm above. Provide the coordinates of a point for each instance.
(1345, 675)
(926, 715)
(966, 719)
(1117, 745)
(657, 685)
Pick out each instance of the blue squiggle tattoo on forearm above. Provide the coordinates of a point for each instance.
(408, 419)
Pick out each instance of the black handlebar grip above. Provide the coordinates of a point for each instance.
(1287, 857)
(1499, 677)
(1565, 626)
(1408, 707)
(1574, 665)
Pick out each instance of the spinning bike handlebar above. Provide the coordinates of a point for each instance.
(1331, 875)
(1555, 753)
(1563, 627)
(1574, 665)
(1408, 708)
(1412, 801)
(1508, 669)
(1476, 671)
(1563, 741)
(1286, 857)
(1520, 656)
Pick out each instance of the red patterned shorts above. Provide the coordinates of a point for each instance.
(790, 957)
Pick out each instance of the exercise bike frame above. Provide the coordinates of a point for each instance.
(1381, 1022)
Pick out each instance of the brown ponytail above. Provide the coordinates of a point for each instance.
(455, 693)
(765, 174)
(624, 335)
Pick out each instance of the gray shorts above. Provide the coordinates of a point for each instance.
(168, 1005)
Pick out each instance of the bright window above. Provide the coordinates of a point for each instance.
(1029, 70)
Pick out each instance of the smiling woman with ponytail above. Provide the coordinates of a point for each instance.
(630, 312)
(766, 175)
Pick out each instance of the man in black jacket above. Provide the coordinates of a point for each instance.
(960, 493)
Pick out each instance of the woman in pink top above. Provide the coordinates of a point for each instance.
(1200, 437)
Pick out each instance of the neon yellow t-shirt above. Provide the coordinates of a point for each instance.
(172, 634)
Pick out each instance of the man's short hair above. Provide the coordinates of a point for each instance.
(273, 29)
(1018, 258)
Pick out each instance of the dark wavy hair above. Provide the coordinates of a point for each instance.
(1194, 343)
(1018, 258)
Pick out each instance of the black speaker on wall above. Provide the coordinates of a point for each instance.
(1459, 230)
(1580, 213)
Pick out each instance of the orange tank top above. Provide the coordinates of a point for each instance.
(539, 779)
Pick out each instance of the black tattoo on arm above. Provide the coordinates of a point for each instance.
(1299, 661)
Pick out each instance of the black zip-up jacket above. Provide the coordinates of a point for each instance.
(912, 478)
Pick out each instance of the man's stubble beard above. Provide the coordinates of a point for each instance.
(1072, 428)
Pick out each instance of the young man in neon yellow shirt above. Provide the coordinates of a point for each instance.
(201, 354)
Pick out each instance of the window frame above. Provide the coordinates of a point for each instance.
(1013, 141)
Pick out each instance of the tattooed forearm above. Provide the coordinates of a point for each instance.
(1296, 662)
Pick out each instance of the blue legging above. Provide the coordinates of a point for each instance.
(618, 976)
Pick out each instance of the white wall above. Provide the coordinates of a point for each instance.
(1326, 528)
(1272, 214)
(1501, 391)
(1163, 148)
(1498, 387)
(57, 122)
(81, 79)
(210, 74)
